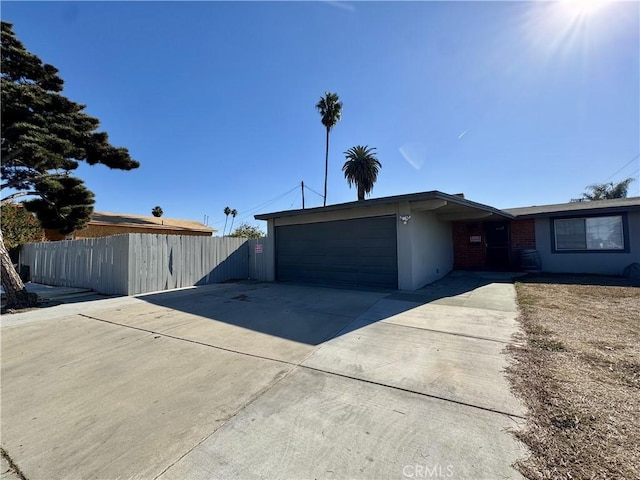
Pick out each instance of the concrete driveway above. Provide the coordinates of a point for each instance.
(265, 381)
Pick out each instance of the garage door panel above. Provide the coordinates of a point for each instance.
(369, 251)
(378, 242)
(380, 280)
(385, 264)
(358, 252)
(331, 261)
(322, 277)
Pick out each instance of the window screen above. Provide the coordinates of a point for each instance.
(592, 233)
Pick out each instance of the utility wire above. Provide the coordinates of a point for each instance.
(623, 167)
(319, 194)
(295, 198)
(249, 212)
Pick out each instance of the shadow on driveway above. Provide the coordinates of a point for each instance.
(310, 314)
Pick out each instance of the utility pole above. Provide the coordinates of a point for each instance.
(302, 186)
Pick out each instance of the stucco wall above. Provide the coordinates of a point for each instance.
(591, 262)
(431, 248)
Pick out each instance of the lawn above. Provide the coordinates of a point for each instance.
(576, 366)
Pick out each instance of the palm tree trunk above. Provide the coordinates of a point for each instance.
(360, 192)
(14, 289)
(326, 168)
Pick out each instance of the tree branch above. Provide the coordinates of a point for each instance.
(32, 178)
(16, 195)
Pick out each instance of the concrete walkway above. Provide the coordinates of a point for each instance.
(265, 381)
(50, 294)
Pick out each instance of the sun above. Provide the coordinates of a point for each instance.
(582, 8)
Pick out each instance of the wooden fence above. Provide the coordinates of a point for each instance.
(140, 263)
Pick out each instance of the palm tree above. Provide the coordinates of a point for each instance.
(361, 168)
(330, 108)
(234, 212)
(157, 211)
(606, 191)
(226, 211)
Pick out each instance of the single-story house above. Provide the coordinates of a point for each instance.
(104, 224)
(407, 241)
(600, 236)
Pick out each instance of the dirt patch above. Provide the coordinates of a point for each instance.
(577, 369)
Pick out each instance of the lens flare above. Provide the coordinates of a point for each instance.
(581, 8)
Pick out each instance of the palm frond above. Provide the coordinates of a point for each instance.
(330, 109)
(361, 168)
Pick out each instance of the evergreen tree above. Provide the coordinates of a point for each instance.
(44, 137)
(19, 226)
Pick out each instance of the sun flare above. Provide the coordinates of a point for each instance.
(580, 8)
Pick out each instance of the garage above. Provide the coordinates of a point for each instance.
(354, 252)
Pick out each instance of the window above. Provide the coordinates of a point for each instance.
(589, 233)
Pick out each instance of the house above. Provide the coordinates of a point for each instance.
(407, 241)
(104, 224)
(600, 237)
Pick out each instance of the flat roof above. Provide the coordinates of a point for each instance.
(632, 203)
(412, 197)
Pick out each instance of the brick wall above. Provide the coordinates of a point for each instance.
(473, 256)
(523, 234)
(523, 237)
(465, 254)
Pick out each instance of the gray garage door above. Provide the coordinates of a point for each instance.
(359, 252)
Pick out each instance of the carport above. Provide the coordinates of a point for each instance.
(398, 242)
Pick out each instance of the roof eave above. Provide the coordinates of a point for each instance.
(579, 211)
(412, 197)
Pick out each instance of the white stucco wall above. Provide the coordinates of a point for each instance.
(425, 248)
(591, 262)
(431, 248)
(270, 251)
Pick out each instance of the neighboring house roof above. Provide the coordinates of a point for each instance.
(453, 206)
(147, 221)
(584, 207)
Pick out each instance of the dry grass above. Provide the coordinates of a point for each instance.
(577, 369)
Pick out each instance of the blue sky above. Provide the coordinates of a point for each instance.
(512, 103)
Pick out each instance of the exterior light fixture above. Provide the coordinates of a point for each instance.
(405, 219)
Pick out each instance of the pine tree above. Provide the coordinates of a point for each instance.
(44, 137)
